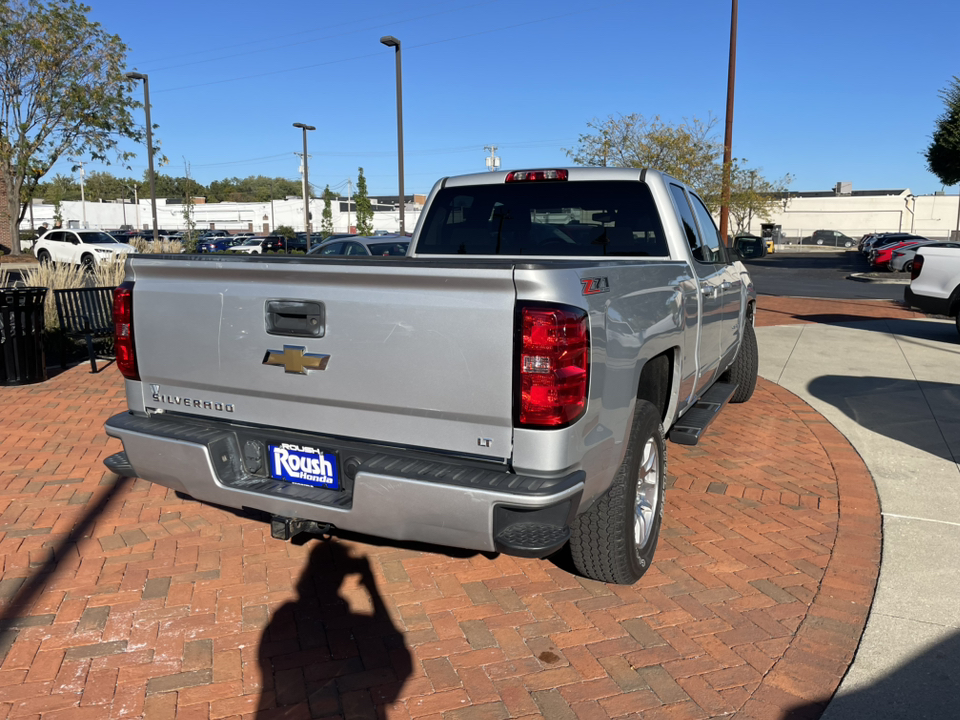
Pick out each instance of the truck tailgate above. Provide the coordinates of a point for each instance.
(419, 354)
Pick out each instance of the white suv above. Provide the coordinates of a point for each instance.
(78, 247)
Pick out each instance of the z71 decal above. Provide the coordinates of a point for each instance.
(592, 286)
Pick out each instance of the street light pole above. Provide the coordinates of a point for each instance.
(83, 202)
(306, 182)
(153, 182)
(136, 202)
(391, 41)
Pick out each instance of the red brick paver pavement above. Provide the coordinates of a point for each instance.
(121, 600)
(793, 311)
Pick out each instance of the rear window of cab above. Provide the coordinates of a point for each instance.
(575, 219)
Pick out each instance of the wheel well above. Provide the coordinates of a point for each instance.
(955, 301)
(656, 380)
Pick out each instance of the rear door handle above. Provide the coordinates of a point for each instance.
(295, 318)
(709, 291)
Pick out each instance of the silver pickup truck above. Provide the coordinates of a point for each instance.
(505, 387)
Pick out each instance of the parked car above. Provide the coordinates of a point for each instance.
(395, 245)
(78, 247)
(768, 242)
(220, 244)
(123, 236)
(902, 260)
(878, 240)
(833, 238)
(880, 257)
(207, 234)
(268, 243)
(935, 282)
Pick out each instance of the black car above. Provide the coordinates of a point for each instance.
(359, 245)
(208, 234)
(831, 238)
(124, 236)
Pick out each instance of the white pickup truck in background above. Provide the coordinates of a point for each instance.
(935, 282)
(505, 387)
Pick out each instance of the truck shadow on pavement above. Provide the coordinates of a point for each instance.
(904, 328)
(925, 687)
(924, 415)
(335, 650)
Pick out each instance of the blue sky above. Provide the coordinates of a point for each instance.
(825, 91)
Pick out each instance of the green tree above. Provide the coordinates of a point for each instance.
(288, 232)
(689, 152)
(752, 194)
(165, 185)
(62, 92)
(326, 223)
(943, 154)
(59, 189)
(103, 186)
(364, 209)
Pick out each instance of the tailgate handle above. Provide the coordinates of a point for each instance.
(297, 318)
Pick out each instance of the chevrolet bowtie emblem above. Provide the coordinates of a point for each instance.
(296, 359)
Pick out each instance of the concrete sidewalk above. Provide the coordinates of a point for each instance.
(890, 386)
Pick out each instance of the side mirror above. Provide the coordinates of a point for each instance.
(750, 248)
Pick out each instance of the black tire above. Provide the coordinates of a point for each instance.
(604, 542)
(88, 264)
(743, 372)
(908, 266)
(43, 257)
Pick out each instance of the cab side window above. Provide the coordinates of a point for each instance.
(712, 247)
(55, 236)
(689, 224)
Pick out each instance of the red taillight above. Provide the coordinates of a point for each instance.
(917, 266)
(537, 175)
(553, 357)
(123, 331)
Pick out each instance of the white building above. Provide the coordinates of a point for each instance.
(255, 217)
(857, 213)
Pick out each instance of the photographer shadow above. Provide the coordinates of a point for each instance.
(334, 650)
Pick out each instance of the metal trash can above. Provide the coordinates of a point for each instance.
(22, 357)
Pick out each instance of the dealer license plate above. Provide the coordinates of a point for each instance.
(304, 465)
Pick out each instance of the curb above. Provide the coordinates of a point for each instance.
(866, 278)
(795, 249)
(808, 674)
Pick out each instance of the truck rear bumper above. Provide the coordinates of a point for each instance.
(388, 492)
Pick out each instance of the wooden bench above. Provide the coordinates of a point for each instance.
(86, 313)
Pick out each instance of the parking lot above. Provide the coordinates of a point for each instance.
(122, 599)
